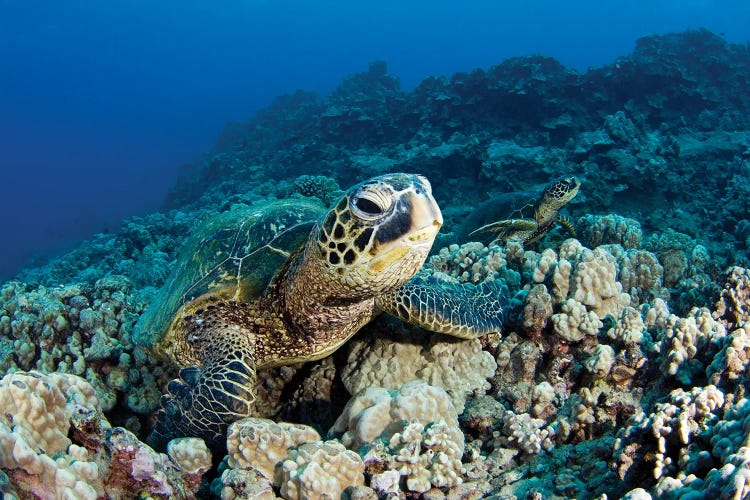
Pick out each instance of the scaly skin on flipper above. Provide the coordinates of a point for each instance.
(459, 309)
(527, 229)
(357, 261)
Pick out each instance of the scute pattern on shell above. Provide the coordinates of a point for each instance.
(231, 256)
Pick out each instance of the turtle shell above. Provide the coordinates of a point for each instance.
(231, 256)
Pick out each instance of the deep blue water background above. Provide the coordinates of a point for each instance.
(101, 102)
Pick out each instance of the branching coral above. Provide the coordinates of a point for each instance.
(629, 327)
(674, 425)
(537, 310)
(473, 263)
(324, 188)
(601, 360)
(734, 303)
(574, 321)
(594, 283)
(688, 344)
(733, 359)
(524, 433)
(640, 275)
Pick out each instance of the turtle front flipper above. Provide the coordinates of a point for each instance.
(216, 346)
(509, 228)
(459, 309)
(204, 401)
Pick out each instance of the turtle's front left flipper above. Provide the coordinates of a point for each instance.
(504, 226)
(204, 401)
(504, 229)
(459, 309)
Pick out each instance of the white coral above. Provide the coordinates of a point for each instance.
(595, 284)
(640, 274)
(471, 262)
(417, 426)
(629, 327)
(601, 360)
(263, 444)
(460, 367)
(527, 434)
(732, 361)
(575, 322)
(543, 267)
(684, 338)
(39, 408)
(656, 314)
(191, 455)
(320, 470)
(674, 422)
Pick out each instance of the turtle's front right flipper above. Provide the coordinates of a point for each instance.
(459, 309)
(217, 385)
(204, 401)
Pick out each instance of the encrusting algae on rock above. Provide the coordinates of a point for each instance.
(621, 368)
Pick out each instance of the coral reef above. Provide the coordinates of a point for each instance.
(83, 330)
(320, 470)
(413, 430)
(289, 456)
(56, 443)
(623, 365)
(263, 444)
(460, 367)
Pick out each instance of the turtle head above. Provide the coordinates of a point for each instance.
(379, 234)
(560, 192)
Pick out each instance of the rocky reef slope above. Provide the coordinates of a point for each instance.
(623, 365)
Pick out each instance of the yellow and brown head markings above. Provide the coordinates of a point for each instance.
(383, 227)
(560, 192)
(554, 197)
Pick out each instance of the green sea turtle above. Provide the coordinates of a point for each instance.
(528, 216)
(288, 282)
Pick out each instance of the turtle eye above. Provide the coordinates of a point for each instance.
(371, 201)
(368, 207)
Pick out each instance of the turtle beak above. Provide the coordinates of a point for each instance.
(401, 245)
(426, 218)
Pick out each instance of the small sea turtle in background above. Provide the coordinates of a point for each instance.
(529, 217)
(289, 282)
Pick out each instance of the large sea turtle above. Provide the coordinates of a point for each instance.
(288, 282)
(527, 217)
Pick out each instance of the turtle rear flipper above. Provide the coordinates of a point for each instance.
(458, 309)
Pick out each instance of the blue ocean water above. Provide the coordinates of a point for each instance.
(102, 102)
